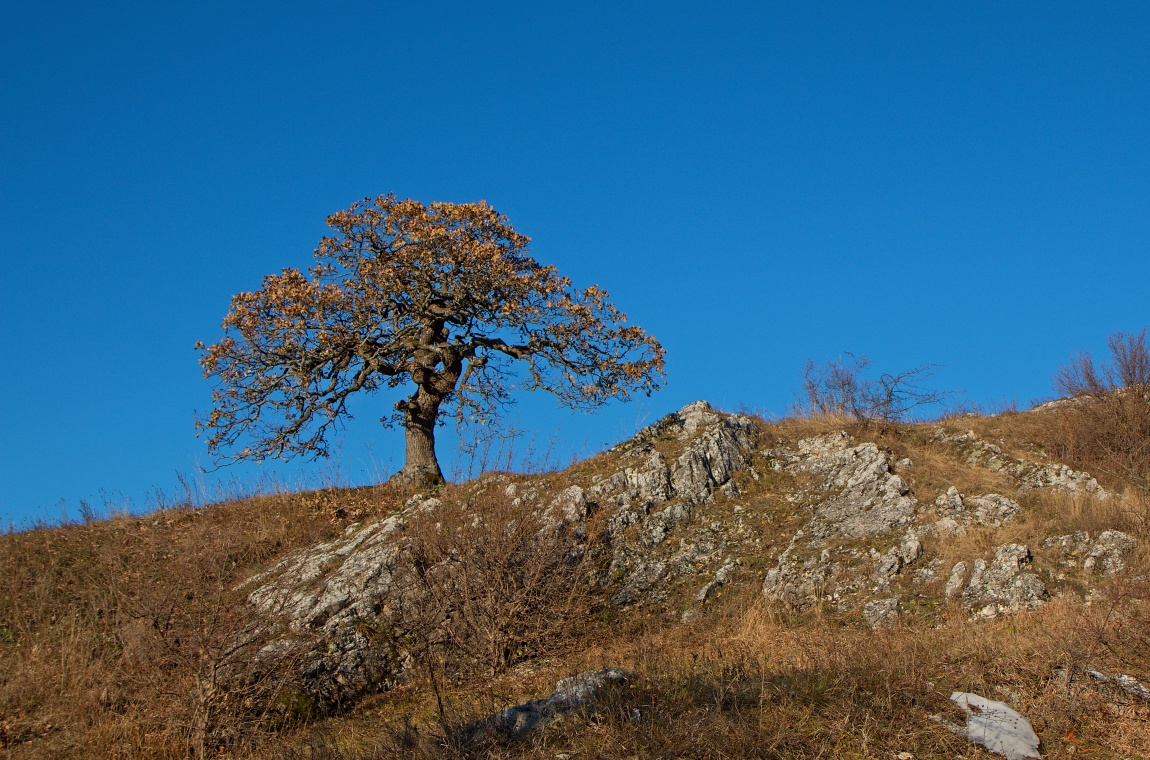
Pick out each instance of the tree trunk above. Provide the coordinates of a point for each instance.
(419, 415)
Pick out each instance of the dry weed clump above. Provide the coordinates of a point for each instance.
(492, 584)
(1107, 425)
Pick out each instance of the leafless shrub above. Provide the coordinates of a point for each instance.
(490, 584)
(839, 388)
(502, 447)
(500, 582)
(1129, 367)
(1109, 429)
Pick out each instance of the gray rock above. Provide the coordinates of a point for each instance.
(955, 581)
(996, 726)
(1104, 554)
(858, 496)
(570, 505)
(715, 449)
(720, 579)
(908, 551)
(1028, 474)
(867, 498)
(988, 509)
(993, 509)
(1128, 685)
(646, 484)
(1058, 476)
(322, 604)
(1004, 585)
(711, 458)
(881, 613)
(645, 573)
(797, 582)
(579, 692)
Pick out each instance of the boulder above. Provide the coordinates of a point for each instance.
(881, 613)
(1004, 585)
(579, 692)
(996, 726)
(1104, 554)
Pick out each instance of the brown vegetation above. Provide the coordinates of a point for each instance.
(113, 635)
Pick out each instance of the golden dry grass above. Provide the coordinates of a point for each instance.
(90, 616)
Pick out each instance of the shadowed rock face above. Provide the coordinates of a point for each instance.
(579, 692)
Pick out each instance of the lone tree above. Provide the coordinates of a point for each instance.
(443, 297)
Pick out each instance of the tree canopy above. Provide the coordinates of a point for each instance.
(442, 297)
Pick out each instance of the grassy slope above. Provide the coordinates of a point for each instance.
(108, 634)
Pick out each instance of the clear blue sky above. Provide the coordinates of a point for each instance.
(756, 184)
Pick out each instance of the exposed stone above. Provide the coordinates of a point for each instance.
(644, 485)
(797, 582)
(881, 613)
(1060, 477)
(1028, 474)
(955, 581)
(327, 599)
(867, 498)
(1128, 685)
(896, 558)
(1070, 402)
(715, 449)
(926, 574)
(1104, 554)
(676, 528)
(858, 497)
(715, 583)
(988, 509)
(710, 459)
(579, 692)
(1004, 586)
(570, 505)
(996, 726)
(643, 576)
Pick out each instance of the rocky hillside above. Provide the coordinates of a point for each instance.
(684, 572)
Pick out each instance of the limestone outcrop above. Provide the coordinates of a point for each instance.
(858, 495)
(1103, 554)
(327, 604)
(650, 499)
(1030, 475)
(689, 507)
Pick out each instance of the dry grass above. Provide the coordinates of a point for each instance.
(110, 633)
(748, 682)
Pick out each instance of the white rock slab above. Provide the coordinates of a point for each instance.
(995, 726)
